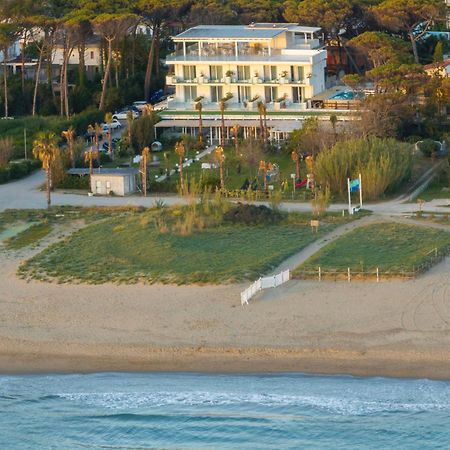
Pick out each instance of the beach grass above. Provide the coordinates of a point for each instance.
(29, 236)
(131, 249)
(391, 247)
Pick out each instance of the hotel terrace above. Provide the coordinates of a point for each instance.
(281, 65)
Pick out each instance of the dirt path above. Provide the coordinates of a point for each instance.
(300, 257)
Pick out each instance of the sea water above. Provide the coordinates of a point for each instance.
(199, 411)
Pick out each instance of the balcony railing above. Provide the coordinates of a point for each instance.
(172, 80)
(294, 55)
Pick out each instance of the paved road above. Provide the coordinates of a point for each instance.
(25, 193)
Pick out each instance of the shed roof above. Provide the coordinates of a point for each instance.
(101, 171)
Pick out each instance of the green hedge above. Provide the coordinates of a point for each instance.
(74, 182)
(16, 170)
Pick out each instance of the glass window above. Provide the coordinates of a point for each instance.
(297, 94)
(216, 93)
(244, 93)
(189, 73)
(297, 73)
(190, 93)
(215, 72)
(271, 93)
(243, 73)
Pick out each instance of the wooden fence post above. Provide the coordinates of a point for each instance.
(378, 275)
(320, 274)
(348, 274)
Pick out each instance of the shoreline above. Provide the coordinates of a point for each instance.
(226, 360)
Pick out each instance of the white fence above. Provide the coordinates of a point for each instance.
(264, 283)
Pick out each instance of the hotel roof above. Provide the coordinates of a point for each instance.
(252, 31)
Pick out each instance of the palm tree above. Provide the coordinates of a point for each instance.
(45, 148)
(235, 130)
(69, 135)
(262, 109)
(260, 105)
(144, 162)
(219, 154)
(130, 119)
(98, 132)
(222, 106)
(180, 150)
(108, 120)
(296, 159)
(89, 156)
(199, 107)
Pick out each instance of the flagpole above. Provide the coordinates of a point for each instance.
(349, 197)
(360, 192)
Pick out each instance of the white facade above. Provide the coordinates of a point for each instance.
(113, 183)
(282, 65)
(92, 55)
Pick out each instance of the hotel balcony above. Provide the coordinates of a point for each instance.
(198, 52)
(235, 107)
(173, 80)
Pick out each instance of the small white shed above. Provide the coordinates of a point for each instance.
(114, 181)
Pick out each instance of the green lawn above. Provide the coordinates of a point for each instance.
(389, 246)
(130, 249)
(235, 174)
(438, 189)
(29, 236)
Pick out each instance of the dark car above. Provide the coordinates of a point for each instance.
(156, 96)
(105, 147)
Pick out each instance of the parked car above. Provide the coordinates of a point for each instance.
(105, 146)
(156, 96)
(132, 108)
(163, 104)
(115, 124)
(139, 105)
(123, 114)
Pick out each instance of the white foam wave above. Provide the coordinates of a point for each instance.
(335, 405)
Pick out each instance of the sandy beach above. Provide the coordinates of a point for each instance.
(392, 328)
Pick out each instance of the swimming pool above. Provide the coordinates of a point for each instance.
(345, 95)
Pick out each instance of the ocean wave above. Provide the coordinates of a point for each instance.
(334, 405)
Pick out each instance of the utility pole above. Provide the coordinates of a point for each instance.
(25, 142)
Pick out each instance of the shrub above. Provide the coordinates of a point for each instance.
(104, 158)
(427, 147)
(18, 169)
(383, 164)
(252, 215)
(73, 182)
(6, 150)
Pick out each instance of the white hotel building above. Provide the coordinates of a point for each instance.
(282, 65)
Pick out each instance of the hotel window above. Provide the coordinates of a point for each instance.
(216, 94)
(297, 94)
(190, 93)
(297, 73)
(92, 55)
(215, 72)
(271, 93)
(189, 73)
(244, 93)
(270, 73)
(243, 73)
